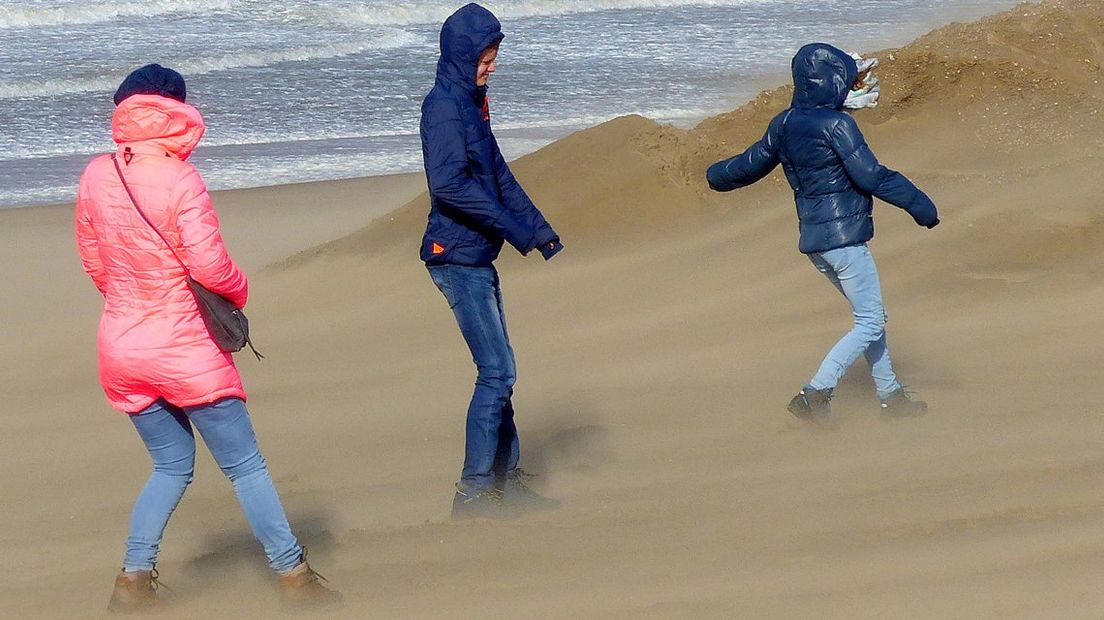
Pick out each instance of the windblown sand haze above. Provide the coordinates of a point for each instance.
(656, 356)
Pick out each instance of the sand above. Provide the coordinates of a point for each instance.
(656, 356)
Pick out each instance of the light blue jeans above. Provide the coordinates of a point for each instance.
(228, 433)
(492, 447)
(851, 270)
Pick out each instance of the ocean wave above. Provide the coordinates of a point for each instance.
(411, 13)
(211, 140)
(391, 39)
(582, 122)
(222, 173)
(249, 139)
(36, 196)
(99, 12)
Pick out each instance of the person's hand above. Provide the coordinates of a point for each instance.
(857, 100)
(550, 249)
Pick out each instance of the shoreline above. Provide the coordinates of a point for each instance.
(255, 221)
(748, 91)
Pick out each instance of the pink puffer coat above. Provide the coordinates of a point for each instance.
(152, 341)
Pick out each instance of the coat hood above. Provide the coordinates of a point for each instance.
(464, 36)
(822, 76)
(154, 123)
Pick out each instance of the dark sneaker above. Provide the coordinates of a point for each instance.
(900, 404)
(812, 406)
(480, 503)
(517, 493)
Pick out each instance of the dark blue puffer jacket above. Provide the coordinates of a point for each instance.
(826, 160)
(475, 201)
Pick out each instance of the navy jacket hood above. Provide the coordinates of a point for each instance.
(464, 36)
(822, 76)
(476, 204)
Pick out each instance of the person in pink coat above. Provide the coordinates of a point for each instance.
(157, 361)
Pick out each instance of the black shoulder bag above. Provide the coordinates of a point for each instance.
(226, 322)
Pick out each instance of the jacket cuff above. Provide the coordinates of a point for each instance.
(550, 249)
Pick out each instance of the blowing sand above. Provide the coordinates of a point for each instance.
(656, 356)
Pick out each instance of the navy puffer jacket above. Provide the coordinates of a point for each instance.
(475, 201)
(831, 169)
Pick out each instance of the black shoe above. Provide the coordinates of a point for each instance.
(812, 406)
(899, 404)
(480, 503)
(518, 494)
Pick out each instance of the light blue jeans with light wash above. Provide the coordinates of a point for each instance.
(228, 433)
(851, 270)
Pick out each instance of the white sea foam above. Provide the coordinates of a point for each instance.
(211, 139)
(663, 115)
(42, 195)
(390, 39)
(99, 12)
(410, 13)
(273, 170)
(292, 137)
(47, 48)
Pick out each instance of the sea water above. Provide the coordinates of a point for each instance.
(306, 90)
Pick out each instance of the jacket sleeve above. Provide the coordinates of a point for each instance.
(747, 167)
(872, 178)
(202, 247)
(448, 173)
(519, 203)
(87, 244)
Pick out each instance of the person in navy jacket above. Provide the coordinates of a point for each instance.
(834, 176)
(476, 205)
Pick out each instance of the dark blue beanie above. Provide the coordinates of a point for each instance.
(152, 80)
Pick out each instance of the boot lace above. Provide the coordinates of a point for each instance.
(491, 495)
(902, 394)
(155, 581)
(523, 475)
(518, 478)
(312, 574)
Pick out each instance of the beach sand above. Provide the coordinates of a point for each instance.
(656, 356)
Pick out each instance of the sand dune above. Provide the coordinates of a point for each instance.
(656, 356)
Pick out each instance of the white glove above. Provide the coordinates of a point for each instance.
(868, 91)
(865, 64)
(865, 98)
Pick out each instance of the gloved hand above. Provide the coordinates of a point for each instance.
(859, 99)
(864, 64)
(865, 91)
(933, 224)
(550, 249)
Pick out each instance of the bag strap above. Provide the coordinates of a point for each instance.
(119, 171)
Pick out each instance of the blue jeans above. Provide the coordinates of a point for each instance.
(492, 447)
(228, 433)
(851, 269)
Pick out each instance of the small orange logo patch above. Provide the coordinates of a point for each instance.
(437, 249)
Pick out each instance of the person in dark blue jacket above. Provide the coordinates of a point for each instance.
(476, 205)
(834, 176)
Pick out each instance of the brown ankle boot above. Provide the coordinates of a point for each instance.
(134, 592)
(302, 587)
